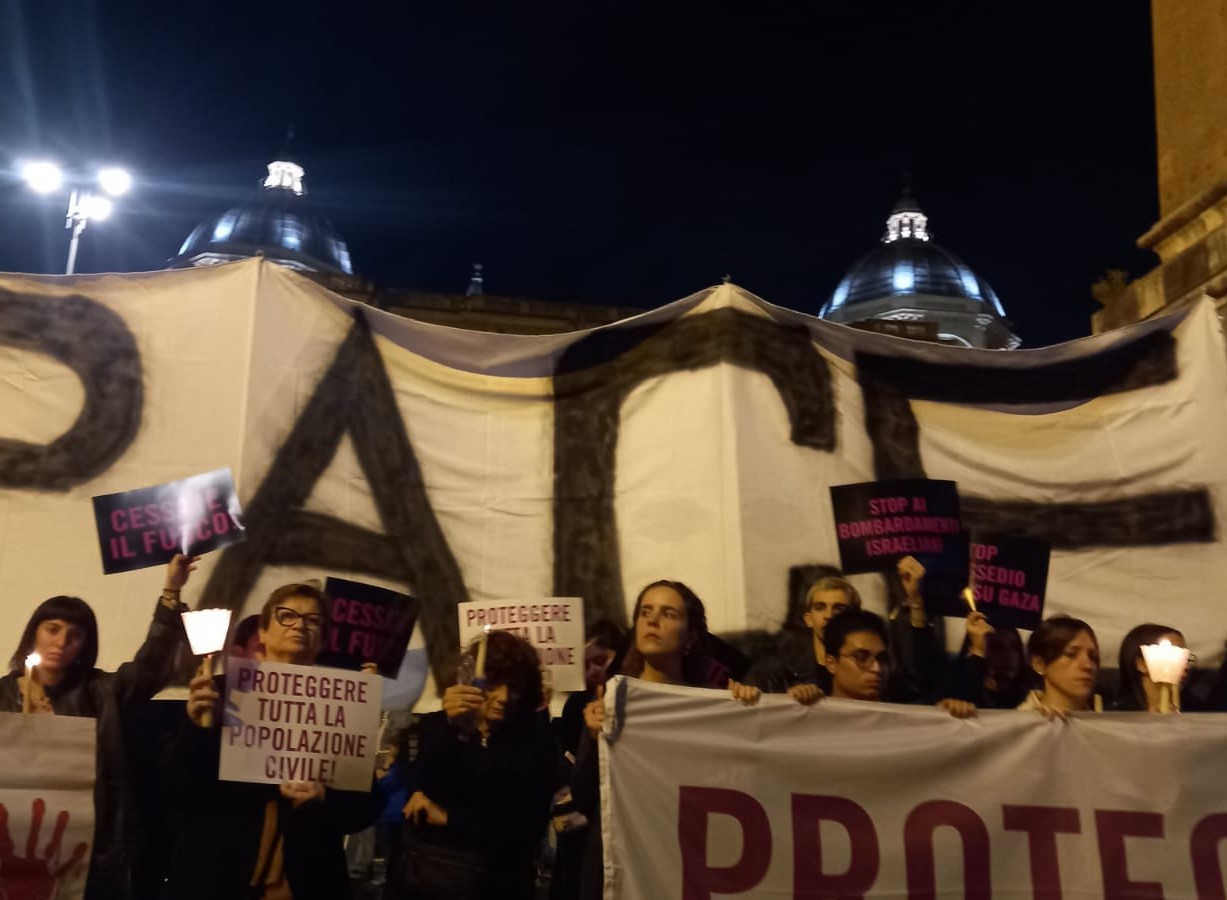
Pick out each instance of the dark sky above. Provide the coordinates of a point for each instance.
(606, 152)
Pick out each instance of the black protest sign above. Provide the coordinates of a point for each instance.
(1008, 578)
(369, 624)
(879, 522)
(148, 526)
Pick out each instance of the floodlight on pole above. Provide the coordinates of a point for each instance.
(43, 177)
(84, 204)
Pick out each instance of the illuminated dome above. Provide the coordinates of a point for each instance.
(276, 223)
(910, 278)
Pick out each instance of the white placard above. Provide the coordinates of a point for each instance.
(299, 723)
(554, 625)
(47, 766)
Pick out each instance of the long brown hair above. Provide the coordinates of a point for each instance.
(695, 659)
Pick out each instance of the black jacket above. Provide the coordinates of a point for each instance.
(497, 797)
(219, 825)
(111, 697)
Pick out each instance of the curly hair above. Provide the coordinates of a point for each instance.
(513, 661)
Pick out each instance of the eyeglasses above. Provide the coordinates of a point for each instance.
(288, 618)
(865, 659)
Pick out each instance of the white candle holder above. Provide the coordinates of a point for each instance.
(1165, 664)
(206, 632)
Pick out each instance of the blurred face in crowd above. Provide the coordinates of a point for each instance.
(823, 604)
(661, 628)
(1003, 656)
(859, 669)
(295, 632)
(596, 662)
(59, 644)
(494, 703)
(1070, 678)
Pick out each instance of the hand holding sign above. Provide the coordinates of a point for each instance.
(302, 793)
(178, 571)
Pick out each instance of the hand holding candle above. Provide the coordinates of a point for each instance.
(1165, 664)
(479, 668)
(27, 702)
(206, 632)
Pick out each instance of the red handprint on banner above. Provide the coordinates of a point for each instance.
(34, 877)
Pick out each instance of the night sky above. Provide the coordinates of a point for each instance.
(605, 152)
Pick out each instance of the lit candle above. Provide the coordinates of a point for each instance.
(27, 702)
(479, 669)
(206, 632)
(1165, 664)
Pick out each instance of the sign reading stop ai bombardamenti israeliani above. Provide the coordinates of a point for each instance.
(878, 522)
(299, 723)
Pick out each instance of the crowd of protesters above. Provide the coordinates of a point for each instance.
(462, 804)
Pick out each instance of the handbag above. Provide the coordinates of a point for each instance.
(437, 870)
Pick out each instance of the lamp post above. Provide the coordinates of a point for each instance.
(88, 199)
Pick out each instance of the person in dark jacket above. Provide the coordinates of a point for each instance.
(239, 840)
(990, 670)
(484, 778)
(64, 633)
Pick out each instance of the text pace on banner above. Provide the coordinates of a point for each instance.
(878, 522)
(148, 526)
(369, 624)
(47, 766)
(553, 625)
(299, 723)
(702, 797)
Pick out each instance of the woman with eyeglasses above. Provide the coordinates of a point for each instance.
(1064, 655)
(1137, 692)
(64, 682)
(258, 840)
(483, 782)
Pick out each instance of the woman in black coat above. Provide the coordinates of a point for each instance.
(484, 775)
(64, 632)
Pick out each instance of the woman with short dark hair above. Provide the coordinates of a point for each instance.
(483, 783)
(1064, 654)
(63, 631)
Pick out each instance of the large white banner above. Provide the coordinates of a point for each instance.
(696, 442)
(702, 797)
(46, 805)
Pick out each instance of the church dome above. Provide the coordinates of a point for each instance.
(908, 276)
(276, 223)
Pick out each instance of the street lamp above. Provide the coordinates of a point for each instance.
(84, 205)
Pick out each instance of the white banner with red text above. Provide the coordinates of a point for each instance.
(702, 797)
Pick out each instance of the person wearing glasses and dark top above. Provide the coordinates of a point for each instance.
(860, 662)
(256, 840)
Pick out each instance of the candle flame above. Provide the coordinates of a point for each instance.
(33, 660)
